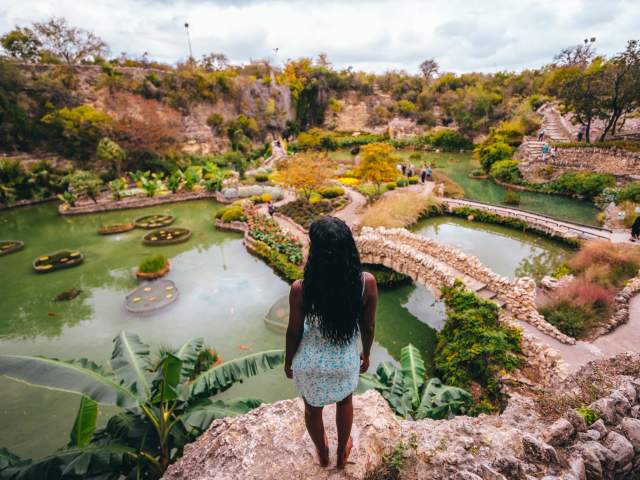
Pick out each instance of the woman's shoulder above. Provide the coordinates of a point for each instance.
(369, 280)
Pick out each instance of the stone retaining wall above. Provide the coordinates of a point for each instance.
(621, 314)
(413, 255)
(621, 163)
(133, 202)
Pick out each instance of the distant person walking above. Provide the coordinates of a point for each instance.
(331, 310)
(423, 175)
(541, 135)
(545, 151)
(271, 209)
(554, 152)
(635, 229)
(403, 169)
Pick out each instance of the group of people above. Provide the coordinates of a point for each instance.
(546, 150)
(425, 172)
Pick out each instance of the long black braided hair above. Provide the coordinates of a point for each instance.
(332, 286)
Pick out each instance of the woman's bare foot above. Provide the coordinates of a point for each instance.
(344, 456)
(323, 454)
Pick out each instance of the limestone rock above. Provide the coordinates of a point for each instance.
(606, 408)
(538, 451)
(559, 433)
(271, 442)
(577, 421)
(620, 448)
(631, 430)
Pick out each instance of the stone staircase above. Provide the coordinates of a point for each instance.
(554, 128)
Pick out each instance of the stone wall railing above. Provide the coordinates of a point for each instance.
(538, 222)
(414, 255)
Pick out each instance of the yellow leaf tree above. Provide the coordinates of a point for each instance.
(305, 172)
(377, 164)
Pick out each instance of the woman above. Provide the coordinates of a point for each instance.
(330, 310)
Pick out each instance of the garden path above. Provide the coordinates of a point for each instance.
(286, 224)
(352, 212)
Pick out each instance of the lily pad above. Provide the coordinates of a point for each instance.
(168, 236)
(115, 228)
(10, 246)
(57, 261)
(151, 296)
(154, 221)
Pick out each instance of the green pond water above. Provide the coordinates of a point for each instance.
(506, 251)
(224, 294)
(457, 166)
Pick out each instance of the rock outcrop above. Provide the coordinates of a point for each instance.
(520, 443)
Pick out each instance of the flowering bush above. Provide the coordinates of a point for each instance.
(266, 230)
(348, 181)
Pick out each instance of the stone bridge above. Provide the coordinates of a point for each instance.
(434, 265)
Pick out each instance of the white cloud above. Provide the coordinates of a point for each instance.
(370, 35)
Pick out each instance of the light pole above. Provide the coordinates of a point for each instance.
(186, 27)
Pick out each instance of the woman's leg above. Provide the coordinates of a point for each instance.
(315, 427)
(344, 421)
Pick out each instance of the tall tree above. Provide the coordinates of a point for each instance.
(581, 91)
(377, 164)
(305, 172)
(429, 68)
(622, 77)
(22, 44)
(70, 44)
(577, 56)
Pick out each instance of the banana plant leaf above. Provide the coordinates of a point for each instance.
(131, 364)
(200, 415)
(165, 383)
(188, 354)
(85, 424)
(73, 463)
(413, 371)
(82, 376)
(442, 401)
(222, 377)
(8, 459)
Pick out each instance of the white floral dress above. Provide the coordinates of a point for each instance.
(325, 373)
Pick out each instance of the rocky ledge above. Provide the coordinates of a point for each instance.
(523, 443)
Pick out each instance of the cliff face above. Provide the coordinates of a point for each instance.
(267, 102)
(521, 443)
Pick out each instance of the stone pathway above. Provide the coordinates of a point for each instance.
(351, 213)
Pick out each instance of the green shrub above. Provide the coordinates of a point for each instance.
(586, 184)
(588, 414)
(391, 185)
(406, 107)
(153, 264)
(261, 177)
(473, 347)
(402, 182)
(215, 121)
(490, 153)
(506, 171)
(331, 191)
(413, 180)
(278, 261)
(572, 320)
(231, 213)
(630, 192)
(448, 140)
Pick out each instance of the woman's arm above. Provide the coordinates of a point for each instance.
(296, 325)
(368, 319)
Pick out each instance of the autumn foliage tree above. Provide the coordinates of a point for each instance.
(305, 172)
(377, 164)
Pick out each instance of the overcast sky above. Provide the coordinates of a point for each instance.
(372, 35)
